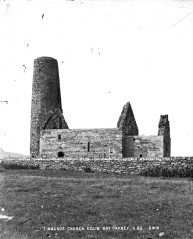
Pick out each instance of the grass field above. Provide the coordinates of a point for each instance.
(62, 204)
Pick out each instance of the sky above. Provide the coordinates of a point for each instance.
(109, 52)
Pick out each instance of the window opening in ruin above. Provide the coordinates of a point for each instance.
(140, 155)
(60, 123)
(60, 154)
(111, 150)
(133, 139)
(138, 147)
(59, 136)
(88, 146)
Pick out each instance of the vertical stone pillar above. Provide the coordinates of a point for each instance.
(164, 129)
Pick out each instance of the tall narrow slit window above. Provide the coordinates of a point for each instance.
(60, 123)
(88, 146)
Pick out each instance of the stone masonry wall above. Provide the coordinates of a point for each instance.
(81, 142)
(110, 165)
(144, 146)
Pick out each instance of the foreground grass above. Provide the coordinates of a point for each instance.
(147, 207)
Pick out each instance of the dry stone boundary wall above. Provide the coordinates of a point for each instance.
(110, 165)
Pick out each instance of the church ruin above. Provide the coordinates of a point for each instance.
(52, 138)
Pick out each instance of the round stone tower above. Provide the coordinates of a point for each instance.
(46, 107)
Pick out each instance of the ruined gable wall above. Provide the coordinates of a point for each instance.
(129, 127)
(81, 142)
(127, 121)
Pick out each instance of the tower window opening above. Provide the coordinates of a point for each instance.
(88, 146)
(111, 150)
(60, 123)
(59, 137)
(60, 154)
(140, 155)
